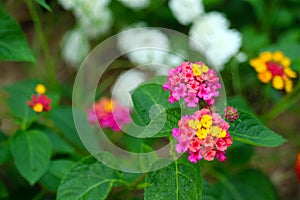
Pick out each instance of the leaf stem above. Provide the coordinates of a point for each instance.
(285, 103)
(50, 74)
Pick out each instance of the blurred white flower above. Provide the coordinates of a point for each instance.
(75, 46)
(67, 4)
(186, 11)
(136, 4)
(241, 57)
(144, 45)
(126, 82)
(210, 33)
(94, 16)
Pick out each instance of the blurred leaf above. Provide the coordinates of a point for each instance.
(208, 192)
(44, 4)
(153, 109)
(55, 173)
(239, 154)
(259, 7)
(180, 180)
(282, 17)
(253, 40)
(31, 151)
(63, 119)
(4, 148)
(58, 144)
(3, 191)
(248, 185)
(239, 103)
(88, 179)
(290, 36)
(250, 130)
(13, 44)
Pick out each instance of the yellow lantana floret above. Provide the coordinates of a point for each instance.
(202, 133)
(265, 77)
(286, 62)
(288, 85)
(215, 130)
(278, 56)
(222, 134)
(109, 106)
(265, 56)
(206, 121)
(38, 107)
(277, 82)
(194, 124)
(40, 89)
(198, 69)
(290, 73)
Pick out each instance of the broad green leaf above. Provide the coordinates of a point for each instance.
(3, 191)
(19, 93)
(153, 109)
(208, 192)
(4, 148)
(13, 44)
(247, 185)
(31, 151)
(44, 4)
(63, 119)
(181, 180)
(55, 173)
(89, 180)
(250, 130)
(58, 144)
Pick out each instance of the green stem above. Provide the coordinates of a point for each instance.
(236, 81)
(285, 103)
(39, 195)
(50, 74)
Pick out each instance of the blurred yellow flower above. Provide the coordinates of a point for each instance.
(274, 67)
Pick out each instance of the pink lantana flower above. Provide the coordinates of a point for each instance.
(193, 82)
(203, 134)
(109, 114)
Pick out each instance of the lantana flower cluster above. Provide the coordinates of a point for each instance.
(40, 102)
(109, 114)
(274, 67)
(193, 82)
(297, 167)
(204, 135)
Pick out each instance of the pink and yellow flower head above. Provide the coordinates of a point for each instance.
(109, 114)
(204, 135)
(297, 167)
(231, 113)
(193, 82)
(40, 102)
(275, 68)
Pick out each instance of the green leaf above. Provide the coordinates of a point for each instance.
(31, 152)
(44, 4)
(180, 180)
(147, 161)
(13, 44)
(4, 148)
(63, 119)
(247, 185)
(58, 144)
(19, 93)
(3, 191)
(153, 109)
(250, 130)
(88, 179)
(55, 173)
